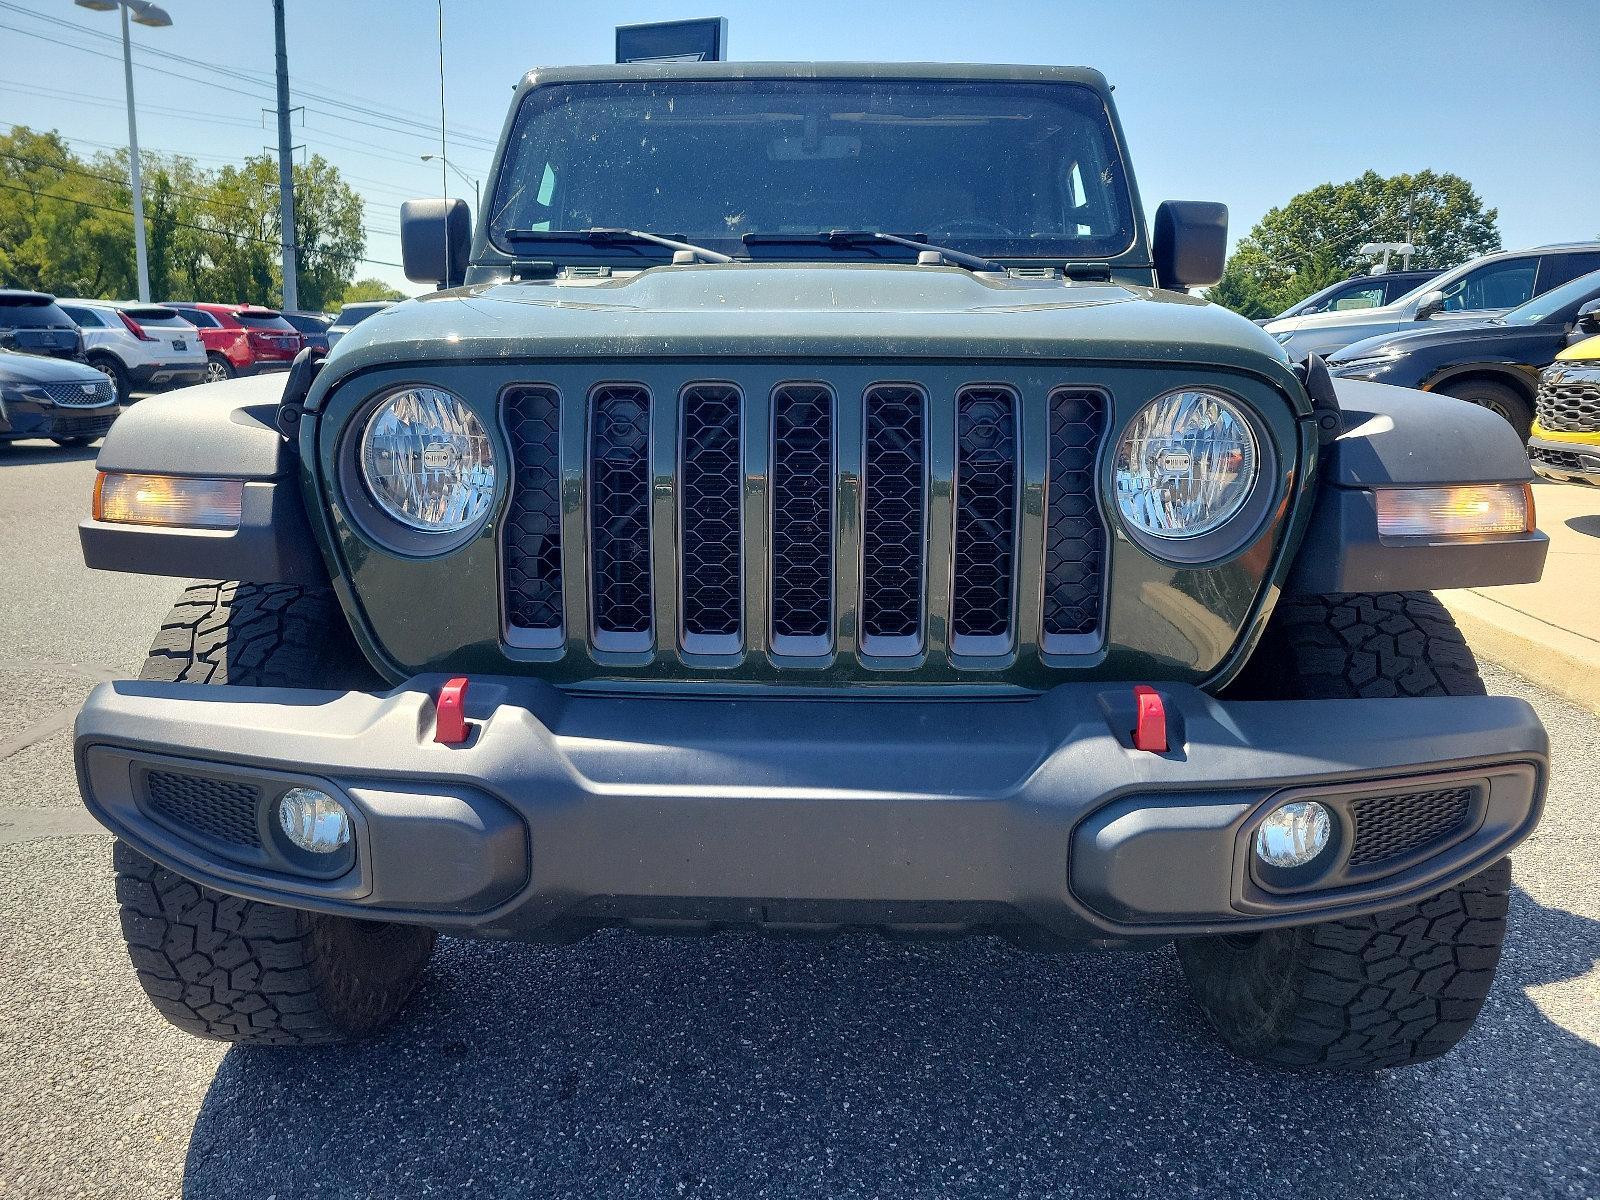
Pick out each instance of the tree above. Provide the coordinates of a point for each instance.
(370, 289)
(1315, 239)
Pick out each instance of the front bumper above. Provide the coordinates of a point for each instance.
(1036, 817)
(1564, 461)
(28, 419)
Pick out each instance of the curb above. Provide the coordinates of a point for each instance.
(1564, 662)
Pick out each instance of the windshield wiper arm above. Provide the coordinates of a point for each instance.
(601, 236)
(839, 238)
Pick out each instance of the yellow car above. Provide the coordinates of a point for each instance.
(1565, 441)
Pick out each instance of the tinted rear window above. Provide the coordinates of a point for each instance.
(274, 323)
(306, 324)
(33, 316)
(354, 314)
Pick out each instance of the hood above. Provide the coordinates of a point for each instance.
(1454, 333)
(809, 309)
(34, 368)
(1589, 348)
(1386, 314)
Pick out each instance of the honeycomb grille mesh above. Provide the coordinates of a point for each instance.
(533, 524)
(893, 484)
(619, 508)
(1075, 535)
(1389, 827)
(986, 513)
(1569, 400)
(1566, 460)
(802, 511)
(711, 477)
(213, 808)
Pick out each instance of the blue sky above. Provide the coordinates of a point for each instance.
(1247, 103)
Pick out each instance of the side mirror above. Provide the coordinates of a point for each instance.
(435, 240)
(1431, 302)
(1190, 243)
(1589, 317)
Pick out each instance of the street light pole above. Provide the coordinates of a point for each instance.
(154, 16)
(477, 197)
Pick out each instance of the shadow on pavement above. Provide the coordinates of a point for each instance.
(1588, 524)
(734, 1066)
(25, 453)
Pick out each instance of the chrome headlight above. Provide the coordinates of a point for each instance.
(427, 461)
(1187, 462)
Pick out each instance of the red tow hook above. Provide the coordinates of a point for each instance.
(1150, 730)
(450, 723)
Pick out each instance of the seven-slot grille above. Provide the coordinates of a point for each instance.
(856, 550)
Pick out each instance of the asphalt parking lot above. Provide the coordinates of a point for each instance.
(729, 1066)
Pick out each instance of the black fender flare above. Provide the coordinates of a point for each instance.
(226, 430)
(1394, 437)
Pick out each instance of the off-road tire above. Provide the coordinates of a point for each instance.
(1394, 987)
(1397, 987)
(1500, 398)
(112, 369)
(1359, 647)
(238, 970)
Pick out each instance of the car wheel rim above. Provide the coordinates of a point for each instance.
(214, 372)
(106, 370)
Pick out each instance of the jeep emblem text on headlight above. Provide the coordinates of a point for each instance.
(438, 455)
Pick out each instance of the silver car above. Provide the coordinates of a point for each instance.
(1474, 291)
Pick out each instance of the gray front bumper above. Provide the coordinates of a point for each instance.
(564, 812)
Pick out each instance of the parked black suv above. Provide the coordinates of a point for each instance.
(1495, 364)
(33, 323)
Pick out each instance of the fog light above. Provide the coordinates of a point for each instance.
(314, 820)
(1294, 834)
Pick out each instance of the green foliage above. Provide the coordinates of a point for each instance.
(1315, 238)
(370, 289)
(66, 226)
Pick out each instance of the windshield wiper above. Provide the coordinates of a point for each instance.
(603, 237)
(844, 238)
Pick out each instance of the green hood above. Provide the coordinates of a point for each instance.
(811, 310)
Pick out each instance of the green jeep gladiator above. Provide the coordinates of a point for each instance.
(813, 501)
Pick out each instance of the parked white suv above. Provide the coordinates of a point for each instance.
(142, 346)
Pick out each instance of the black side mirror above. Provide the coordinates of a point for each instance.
(435, 240)
(1431, 302)
(1589, 317)
(1190, 243)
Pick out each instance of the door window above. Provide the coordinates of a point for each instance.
(1503, 284)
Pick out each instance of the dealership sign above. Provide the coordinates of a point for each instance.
(703, 40)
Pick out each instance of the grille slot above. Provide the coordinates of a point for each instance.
(619, 516)
(711, 482)
(982, 575)
(1566, 460)
(72, 395)
(894, 501)
(533, 524)
(802, 518)
(1075, 533)
(1391, 827)
(1569, 399)
(213, 808)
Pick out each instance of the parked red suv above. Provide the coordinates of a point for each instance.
(241, 339)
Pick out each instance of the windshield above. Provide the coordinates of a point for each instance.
(1019, 170)
(1549, 306)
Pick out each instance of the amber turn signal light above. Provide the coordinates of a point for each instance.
(170, 500)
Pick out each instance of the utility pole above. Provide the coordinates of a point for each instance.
(291, 286)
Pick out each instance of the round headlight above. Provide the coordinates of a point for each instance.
(427, 461)
(1186, 463)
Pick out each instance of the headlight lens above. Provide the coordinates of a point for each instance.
(427, 460)
(1186, 463)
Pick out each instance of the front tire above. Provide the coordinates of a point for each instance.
(1395, 987)
(1499, 398)
(237, 970)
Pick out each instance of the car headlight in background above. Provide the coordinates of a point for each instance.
(1187, 462)
(427, 461)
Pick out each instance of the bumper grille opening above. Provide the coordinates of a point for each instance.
(802, 519)
(1075, 532)
(1391, 827)
(212, 808)
(982, 580)
(533, 524)
(711, 482)
(1570, 402)
(619, 516)
(893, 486)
